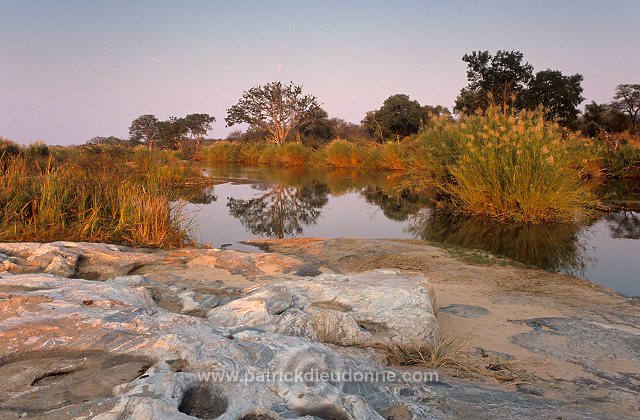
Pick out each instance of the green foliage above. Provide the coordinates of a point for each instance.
(499, 77)
(8, 147)
(399, 116)
(507, 166)
(289, 154)
(146, 130)
(344, 154)
(559, 94)
(38, 149)
(275, 108)
(599, 118)
(627, 100)
(622, 163)
(503, 79)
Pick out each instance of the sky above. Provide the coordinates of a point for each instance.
(73, 70)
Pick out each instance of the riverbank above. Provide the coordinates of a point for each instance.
(510, 341)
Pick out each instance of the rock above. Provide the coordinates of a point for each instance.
(5, 263)
(464, 311)
(69, 259)
(379, 307)
(130, 359)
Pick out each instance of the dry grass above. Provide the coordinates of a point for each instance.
(451, 354)
(106, 200)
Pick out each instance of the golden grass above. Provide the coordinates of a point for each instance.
(507, 166)
(105, 201)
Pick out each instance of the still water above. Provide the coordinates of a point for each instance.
(283, 203)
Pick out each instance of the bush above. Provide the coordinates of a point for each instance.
(510, 167)
(8, 147)
(622, 163)
(294, 154)
(38, 149)
(222, 152)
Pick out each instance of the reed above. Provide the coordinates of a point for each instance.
(107, 201)
(507, 166)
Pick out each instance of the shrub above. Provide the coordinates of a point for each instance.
(38, 149)
(622, 163)
(8, 147)
(222, 152)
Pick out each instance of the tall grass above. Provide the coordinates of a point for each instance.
(507, 166)
(108, 201)
(344, 154)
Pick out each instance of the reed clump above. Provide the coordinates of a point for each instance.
(512, 167)
(104, 201)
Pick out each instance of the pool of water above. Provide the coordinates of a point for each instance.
(283, 203)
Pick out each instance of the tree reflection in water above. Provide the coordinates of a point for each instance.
(282, 210)
(624, 225)
(556, 247)
(396, 207)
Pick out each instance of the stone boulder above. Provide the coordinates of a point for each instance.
(375, 308)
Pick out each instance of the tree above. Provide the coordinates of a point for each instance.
(499, 78)
(399, 116)
(559, 94)
(603, 117)
(197, 126)
(318, 126)
(145, 129)
(172, 133)
(627, 100)
(274, 107)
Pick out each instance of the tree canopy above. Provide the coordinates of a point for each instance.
(603, 117)
(505, 79)
(145, 129)
(399, 116)
(627, 100)
(559, 94)
(184, 133)
(274, 107)
(500, 77)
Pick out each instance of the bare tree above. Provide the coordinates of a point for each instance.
(275, 108)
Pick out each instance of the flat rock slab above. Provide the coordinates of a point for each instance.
(105, 350)
(465, 311)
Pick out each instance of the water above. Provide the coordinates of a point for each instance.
(283, 203)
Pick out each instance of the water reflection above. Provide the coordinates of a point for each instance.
(280, 210)
(624, 225)
(280, 203)
(556, 247)
(398, 206)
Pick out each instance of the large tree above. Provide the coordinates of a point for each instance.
(173, 133)
(197, 126)
(145, 129)
(559, 94)
(399, 116)
(274, 107)
(500, 77)
(627, 100)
